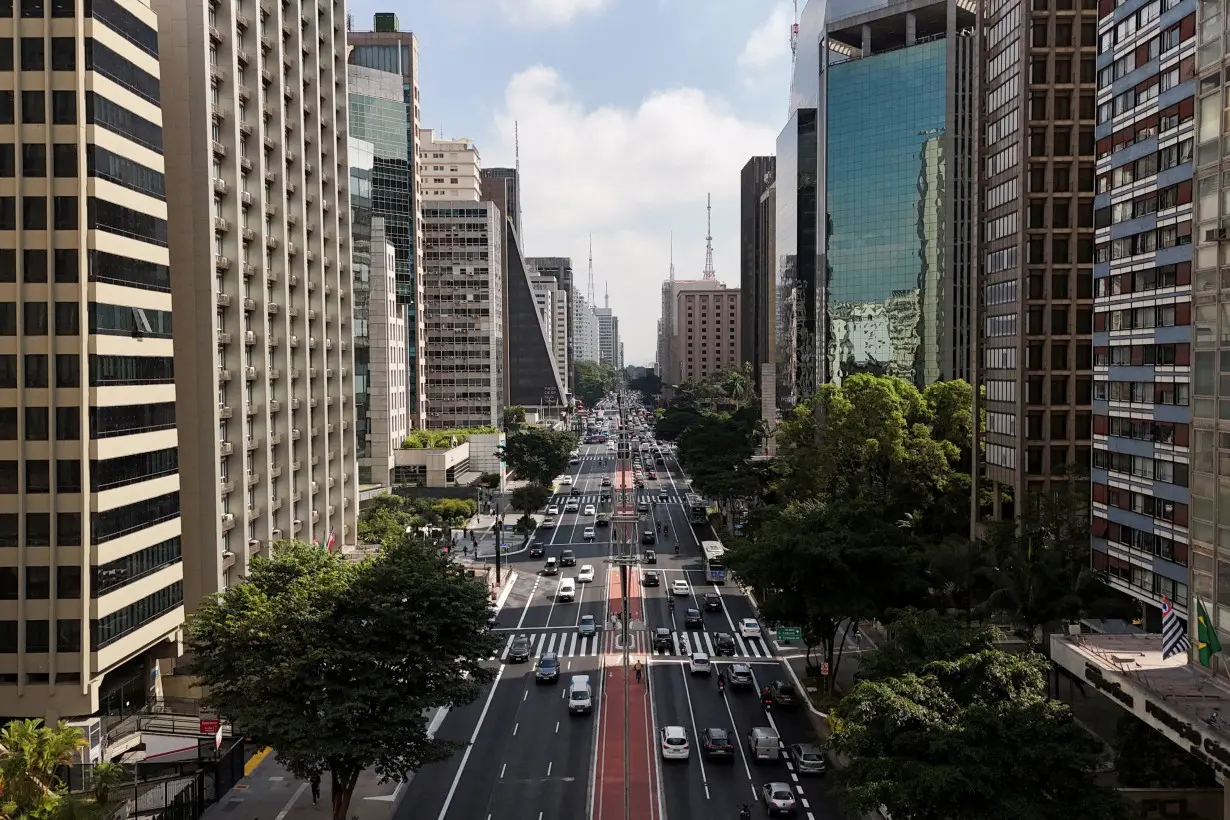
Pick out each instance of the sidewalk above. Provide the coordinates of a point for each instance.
(269, 792)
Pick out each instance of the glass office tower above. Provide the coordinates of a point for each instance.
(886, 179)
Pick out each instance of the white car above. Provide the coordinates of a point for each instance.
(748, 628)
(547, 524)
(587, 572)
(610, 446)
(565, 479)
(589, 535)
(698, 663)
(553, 509)
(675, 746)
(572, 507)
(680, 587)
(589, 510)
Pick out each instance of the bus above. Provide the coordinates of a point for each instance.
(715, 561)
(697, 509)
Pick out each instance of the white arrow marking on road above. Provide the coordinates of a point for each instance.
(388, 798)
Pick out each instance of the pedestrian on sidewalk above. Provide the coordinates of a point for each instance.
(315, 788)
(637, 667)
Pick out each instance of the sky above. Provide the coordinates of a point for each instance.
(628, 112)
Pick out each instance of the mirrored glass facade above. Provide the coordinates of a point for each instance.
(797, 299)
(887, 184)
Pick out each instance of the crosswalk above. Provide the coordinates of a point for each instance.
(590, 497)
(570, 644)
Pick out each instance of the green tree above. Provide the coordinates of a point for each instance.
(31, 752)
(647, 385)
(966, 740)
(714, 451)
(529, 497)
(539, 454)
(594, 382)
(514, 418)
(453, 512)
(335, 664)
(1145, 759)
(384, 519)
(918, 637)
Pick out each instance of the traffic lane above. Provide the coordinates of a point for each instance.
(732, 779)
(546, 769)
(460, 787)
(792, 726)
(568, 613)
(685, 785)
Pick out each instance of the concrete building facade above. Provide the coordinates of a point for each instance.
(253, 95)
(608, 336)
(552, 303)
(1036, 308)
(1144, 476)
(386, 48)
(757, 259)
(92, 588)
(450, 168)
(671, 367)
(463, 291)
(559, 268)
(706, 341)
(586, 336)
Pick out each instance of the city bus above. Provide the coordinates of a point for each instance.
(715, 561)
(697, 509)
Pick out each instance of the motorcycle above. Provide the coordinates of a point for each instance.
(745, 812)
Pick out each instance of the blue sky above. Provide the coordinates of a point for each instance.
(629, 112)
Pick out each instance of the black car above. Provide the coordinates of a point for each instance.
(538, 549)
(567, 558)
(659, 460)
(783, 693)
(724, 644)
(548, 668)
(651, 579)
(606, 495)
(603, 520)
(606, 482)
(651, 557)
(713, 601)
(642, 507)
(717, 743)
(692, 618)
(519, 652)
(664, 496)
(575, 491)
(662, 639)
(647, 537)
(739, 676)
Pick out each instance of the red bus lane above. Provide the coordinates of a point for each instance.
(609, 768)
(642, 780)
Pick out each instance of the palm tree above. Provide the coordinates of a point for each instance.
(30, 754)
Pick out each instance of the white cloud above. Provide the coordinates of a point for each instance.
(629, 176)
(549, 12)
(770, 41)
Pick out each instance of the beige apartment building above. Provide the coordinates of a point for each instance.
(255, 103)
(706, 340)
(451, 169)
(92, 585)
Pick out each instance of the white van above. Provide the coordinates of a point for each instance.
(764, 744)
(580, 695)
(567, 590)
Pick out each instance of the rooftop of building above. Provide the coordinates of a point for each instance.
(888, 27)
(1126, 666)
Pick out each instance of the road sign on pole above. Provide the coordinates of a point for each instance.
(785, 634)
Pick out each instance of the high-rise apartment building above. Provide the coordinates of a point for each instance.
(382, 372)
(559, 268)
(706, 340)
(508, 181)
(260, 247)
(388, 49)
(896, 138)
(1143, 527)
(450, 168)
(553, 304)
(672, 368)
(757, 261)
(586, 336)
(1035, 327)
(465, 314)
(92, 591)
(382, 181)
(608, 334)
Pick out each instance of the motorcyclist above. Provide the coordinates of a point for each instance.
(666, 529)
(766, 697)
(721, 681)
(658, 524)
(745, 812)
(670, 605)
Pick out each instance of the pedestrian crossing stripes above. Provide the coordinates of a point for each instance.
(571, 644)
(589, 497)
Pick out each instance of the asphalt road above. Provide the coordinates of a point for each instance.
(525, 757)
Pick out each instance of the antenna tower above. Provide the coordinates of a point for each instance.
(709, 273)
(607, 287)
(517, 147)
(672, 256)
(794, 49)
(592, 301)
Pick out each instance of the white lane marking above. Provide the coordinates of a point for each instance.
(548, 772)
(675, 641)
(516, 726)
(742, 752)
(503, 769)
(580, 600)
(704, 779)
(465, 756)
(525, 695)
(708, 644)
(293, 799)
(525, 609)
(507, 646)
(557, 727)
(742, 645)
(541, 640)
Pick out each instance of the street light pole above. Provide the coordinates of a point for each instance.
(499, 536)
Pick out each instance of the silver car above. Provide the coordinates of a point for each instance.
(778, 799)
(808, 758)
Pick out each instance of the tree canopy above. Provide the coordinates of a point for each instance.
(334, 664)
(514, 418)
(385, 518)
(32, 756)
(594, 381)
(539, 454)
(647, 385)
(529, 497)
(919, 637)
(442, 439)
(968, 739)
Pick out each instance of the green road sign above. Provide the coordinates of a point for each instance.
(789, 633)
